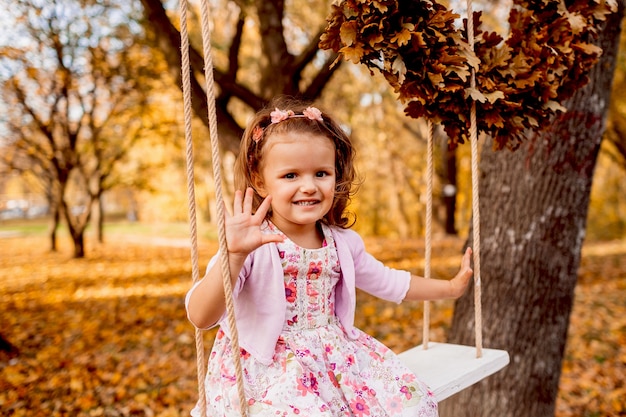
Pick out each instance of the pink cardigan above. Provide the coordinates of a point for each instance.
(259, 293)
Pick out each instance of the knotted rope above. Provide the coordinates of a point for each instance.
(429, 228)
(478, 326)
(216, 162)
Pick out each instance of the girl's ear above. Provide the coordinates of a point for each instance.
(258, 185)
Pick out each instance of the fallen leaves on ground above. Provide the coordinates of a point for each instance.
(102, 336)
(108, 336)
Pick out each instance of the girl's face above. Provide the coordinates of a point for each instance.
(298, 171)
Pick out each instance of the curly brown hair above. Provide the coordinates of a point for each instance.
(248, 162)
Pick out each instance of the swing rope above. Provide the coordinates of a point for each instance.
(186, 83)
(478, 327)
(217, 175)
(429, 228)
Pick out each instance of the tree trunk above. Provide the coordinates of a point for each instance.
(168, 40)
(100, 204)
(79, 244)
(77, 224)
(533, 216)
(449, 193)
(281, 71)
(54, 226)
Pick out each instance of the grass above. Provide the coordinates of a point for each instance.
(39, 227)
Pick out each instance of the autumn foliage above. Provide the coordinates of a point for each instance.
(108, 336)
(521, 80)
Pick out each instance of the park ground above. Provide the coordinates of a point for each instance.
(107, 335)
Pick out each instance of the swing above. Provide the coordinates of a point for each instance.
(450, 368)
(446, 368)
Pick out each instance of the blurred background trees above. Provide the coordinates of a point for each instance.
(242, 42)
(80, 89)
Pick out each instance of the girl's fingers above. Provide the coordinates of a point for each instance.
(269, 238)
(467, 258)
(247, 201)
(264, 207)
(237, 202)
(466, 265)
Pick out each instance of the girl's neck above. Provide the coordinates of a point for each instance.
(307, 236)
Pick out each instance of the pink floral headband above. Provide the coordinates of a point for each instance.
(277, 116)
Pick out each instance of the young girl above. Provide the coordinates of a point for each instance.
(295, 266)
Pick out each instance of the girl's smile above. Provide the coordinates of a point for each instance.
(298, 171)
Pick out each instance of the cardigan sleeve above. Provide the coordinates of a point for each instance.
(371, 275)
(236, 288)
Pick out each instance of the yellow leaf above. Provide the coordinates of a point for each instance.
(14, 376)
(554, 106)
(435, 79)
(399, 68)
(493, 119)
(353, 54)
(402, 38)
(577, 23)
(381, 6)
(76, 384)
(375, 39)
(142, 398)
(469, 55)
(494, 96)
(475, 94)
(116, 377)
(608, 6)
(387, 313)
(461, 72)
(588, 48)
(348, 33)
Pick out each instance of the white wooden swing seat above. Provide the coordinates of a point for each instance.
(448, 368)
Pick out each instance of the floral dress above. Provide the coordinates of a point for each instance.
(317, 370)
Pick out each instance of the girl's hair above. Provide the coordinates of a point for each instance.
(261, 128)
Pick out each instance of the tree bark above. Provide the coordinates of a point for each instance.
(449, 191)
(55, 221)
(79, 245)
(534, 205)
(168, 41)
(100, 223)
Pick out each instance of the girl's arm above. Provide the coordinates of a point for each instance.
(206, 303)
(435, 289)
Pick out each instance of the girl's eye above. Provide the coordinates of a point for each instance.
(322, 174)
(290, 176)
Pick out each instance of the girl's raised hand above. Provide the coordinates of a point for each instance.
(243, 229)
